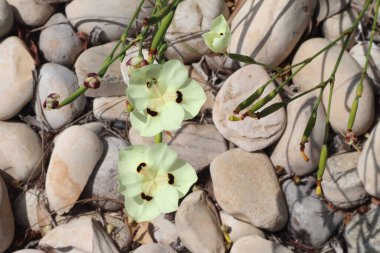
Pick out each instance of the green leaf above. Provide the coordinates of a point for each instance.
(242, 58)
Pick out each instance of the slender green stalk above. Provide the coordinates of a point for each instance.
(124, 36)
(324, 153)
(359, 88)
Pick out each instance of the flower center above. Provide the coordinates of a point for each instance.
(153, 180)
(160, 97)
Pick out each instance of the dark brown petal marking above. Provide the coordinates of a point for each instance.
(146, 197)
(141, 165)
(151, 112)
(171, 178)
(179, 97)
(221, 34)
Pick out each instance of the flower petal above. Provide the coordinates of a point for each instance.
(193, 98)
(208, 38)
(130, 183)
(145, 124)
(220, 25)
(138, 92)
(184, 177)
(173, 75)
(172, 116)
(220, 44)
(166, 198)
(131, 157)
(140, 209)
(162, 156)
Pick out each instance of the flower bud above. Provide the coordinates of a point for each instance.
(51, 102)
(134, 63)
(92, 81)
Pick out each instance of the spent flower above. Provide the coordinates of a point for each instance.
(163, 96)
(152, 180)
(92, 81)
(51, 102)
(219, 36)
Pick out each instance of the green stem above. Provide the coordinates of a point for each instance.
(359, 88)
(124, 36)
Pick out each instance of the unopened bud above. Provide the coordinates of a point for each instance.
(92, 81)
(51, 102)
(134, 63)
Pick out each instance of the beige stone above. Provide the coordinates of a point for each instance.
(286, 153)
(58, 79)
(16, 77)
(198, 224)
(249, 134)
(256, 244)
(334, 26)
(369, 164)
(269, 30)
(246, 187)
(192, 18)
(23, 14)
(328, 8)
(20, 151)
(7, 227)
(110, 108)
(76, 152)
(90, 61)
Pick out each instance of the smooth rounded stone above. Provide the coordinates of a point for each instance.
(103, 20)
(238, 229)
(90, 61)
(7, 226)
(58, 41)
(191, 19)
(359, 52)
(269, 30)
(341, 184)
(110, 108)
(328, 8)
(208, 89)
(130, 53)
(25, 209)
(154, 248)
(369, 164)
(256, 244)
(79, 233)
(23, 14)
(20, 151)
(29, 251)
(286, 152)
(76, 152)
(362, 233)
(346, 79)
(249, 134)
(103, 181)
(58, 79)
(165, 231)
(334, 26)
(195, 144)
(311, 221)
(221, 64)
(6, 18)
(245, 184)
(121, 234)
(16, 77)
(96, 126)
(198, 224)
